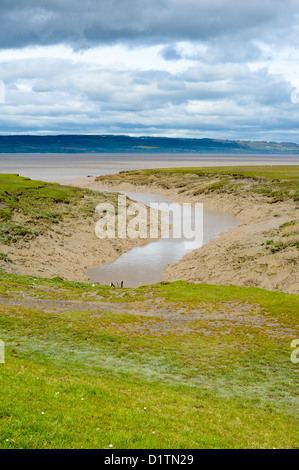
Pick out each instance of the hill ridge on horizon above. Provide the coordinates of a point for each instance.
(115, 143)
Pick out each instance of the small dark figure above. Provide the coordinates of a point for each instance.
(122, 284)
(111, 284)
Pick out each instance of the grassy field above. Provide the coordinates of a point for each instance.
(173, 365)
(29, 208)
(277, 182)
(170, 366)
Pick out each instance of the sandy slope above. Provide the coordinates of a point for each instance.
(67, 250)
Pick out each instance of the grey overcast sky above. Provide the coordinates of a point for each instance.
(190, 68)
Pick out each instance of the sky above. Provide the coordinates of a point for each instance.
(226, 69)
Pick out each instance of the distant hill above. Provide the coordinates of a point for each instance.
(123, 144)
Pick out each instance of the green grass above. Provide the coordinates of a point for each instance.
(268, 172)
(287, 235)
(28, 207)
(16, 191)
(233, 388)
(174, 365)
(275, 182)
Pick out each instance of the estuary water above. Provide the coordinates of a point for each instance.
(53, 166)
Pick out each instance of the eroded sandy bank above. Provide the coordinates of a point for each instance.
(240, 256)
(66, 249)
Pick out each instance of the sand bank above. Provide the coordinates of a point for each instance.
(240, 256)
(66, 249)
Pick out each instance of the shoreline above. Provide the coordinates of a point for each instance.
(236, 257)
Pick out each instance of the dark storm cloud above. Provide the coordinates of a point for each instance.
(86, 23)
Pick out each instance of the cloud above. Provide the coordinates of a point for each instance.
(84, 24)
(153, 67)
(171, 52)
(55, 95)
(227, 50)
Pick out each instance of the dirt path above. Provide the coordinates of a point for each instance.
(161, 318)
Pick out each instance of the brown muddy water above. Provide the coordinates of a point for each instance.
(145, 265)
